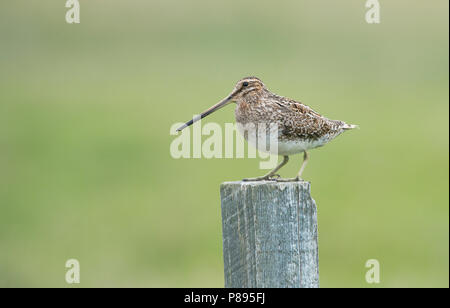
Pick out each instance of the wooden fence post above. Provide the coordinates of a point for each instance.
(269, 235)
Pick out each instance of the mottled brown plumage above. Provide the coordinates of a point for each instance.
(295, 120)
(299, 127)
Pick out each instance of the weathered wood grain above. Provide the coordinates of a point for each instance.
(269, 235)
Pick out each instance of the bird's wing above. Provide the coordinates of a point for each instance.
(301, 121)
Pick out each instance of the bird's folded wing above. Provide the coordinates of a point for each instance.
(301, 121)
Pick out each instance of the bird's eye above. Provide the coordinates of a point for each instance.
(245, 84)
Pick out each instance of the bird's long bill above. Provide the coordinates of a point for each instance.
(207, 112)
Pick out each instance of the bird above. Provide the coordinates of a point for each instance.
(298, 127)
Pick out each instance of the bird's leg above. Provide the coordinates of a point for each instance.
(305, 161)
(299, 175)
(272, 173)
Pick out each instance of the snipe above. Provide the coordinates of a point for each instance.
(299, 128)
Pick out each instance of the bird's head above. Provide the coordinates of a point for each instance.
(247, 87)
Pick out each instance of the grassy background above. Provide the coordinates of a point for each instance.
(85, 112)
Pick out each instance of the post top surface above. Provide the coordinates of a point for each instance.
(267, 183)
(263, 182)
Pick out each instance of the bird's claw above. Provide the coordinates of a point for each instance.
(296, 179)
(274, 177)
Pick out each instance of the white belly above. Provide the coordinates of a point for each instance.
(295, 147)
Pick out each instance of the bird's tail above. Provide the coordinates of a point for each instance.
(349, 126)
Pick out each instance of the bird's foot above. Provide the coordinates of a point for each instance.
(296, 179)
(273, 177)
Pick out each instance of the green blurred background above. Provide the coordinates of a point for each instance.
(85, 112)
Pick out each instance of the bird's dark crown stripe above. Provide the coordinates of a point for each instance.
(251, 78)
